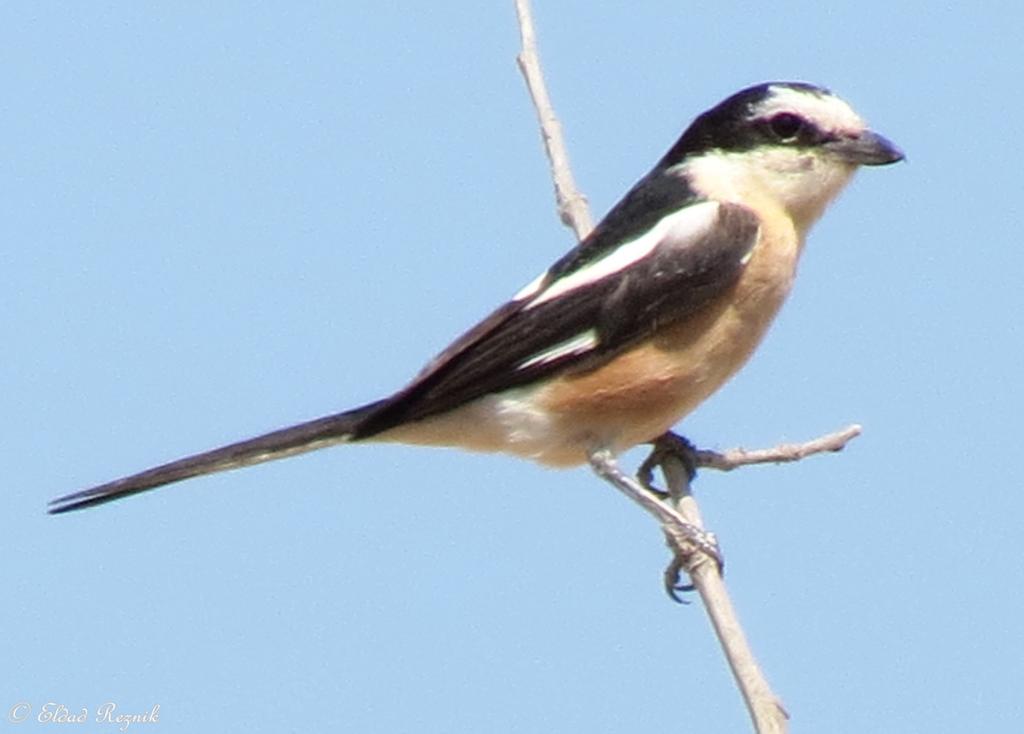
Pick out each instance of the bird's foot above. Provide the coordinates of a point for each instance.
(691, 545)
(698, 545)
(668, 445)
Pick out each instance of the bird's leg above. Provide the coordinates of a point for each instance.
(673, 446)
(667, 445)
(690, 544)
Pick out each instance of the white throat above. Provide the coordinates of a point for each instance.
(800, 182)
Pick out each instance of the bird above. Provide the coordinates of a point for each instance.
(636, 325)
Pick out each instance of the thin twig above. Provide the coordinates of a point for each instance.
(572, 205)
(781, 454)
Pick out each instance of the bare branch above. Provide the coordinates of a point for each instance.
(679, 516)
(765, 708)
(781, 454)
(572, 205)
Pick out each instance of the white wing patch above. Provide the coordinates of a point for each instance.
(531, 288)
(686, 224)
(577, 345)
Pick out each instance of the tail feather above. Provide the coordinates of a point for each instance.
(278, 444)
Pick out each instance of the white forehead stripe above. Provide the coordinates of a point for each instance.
(825, 110)
(687, 223)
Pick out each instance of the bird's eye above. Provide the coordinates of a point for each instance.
(785, 125)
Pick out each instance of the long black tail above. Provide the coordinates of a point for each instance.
(278, 444)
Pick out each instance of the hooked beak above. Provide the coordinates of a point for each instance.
(866, 149)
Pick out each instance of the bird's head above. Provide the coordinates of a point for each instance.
(788, 144)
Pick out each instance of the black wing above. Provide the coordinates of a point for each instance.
(528, 338)
(652, 198)
(583, 326)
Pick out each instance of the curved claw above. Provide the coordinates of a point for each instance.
(681, 561)
(673, 574)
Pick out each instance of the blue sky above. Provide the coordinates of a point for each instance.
(217, 221)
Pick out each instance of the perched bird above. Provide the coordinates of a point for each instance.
(632, 328)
